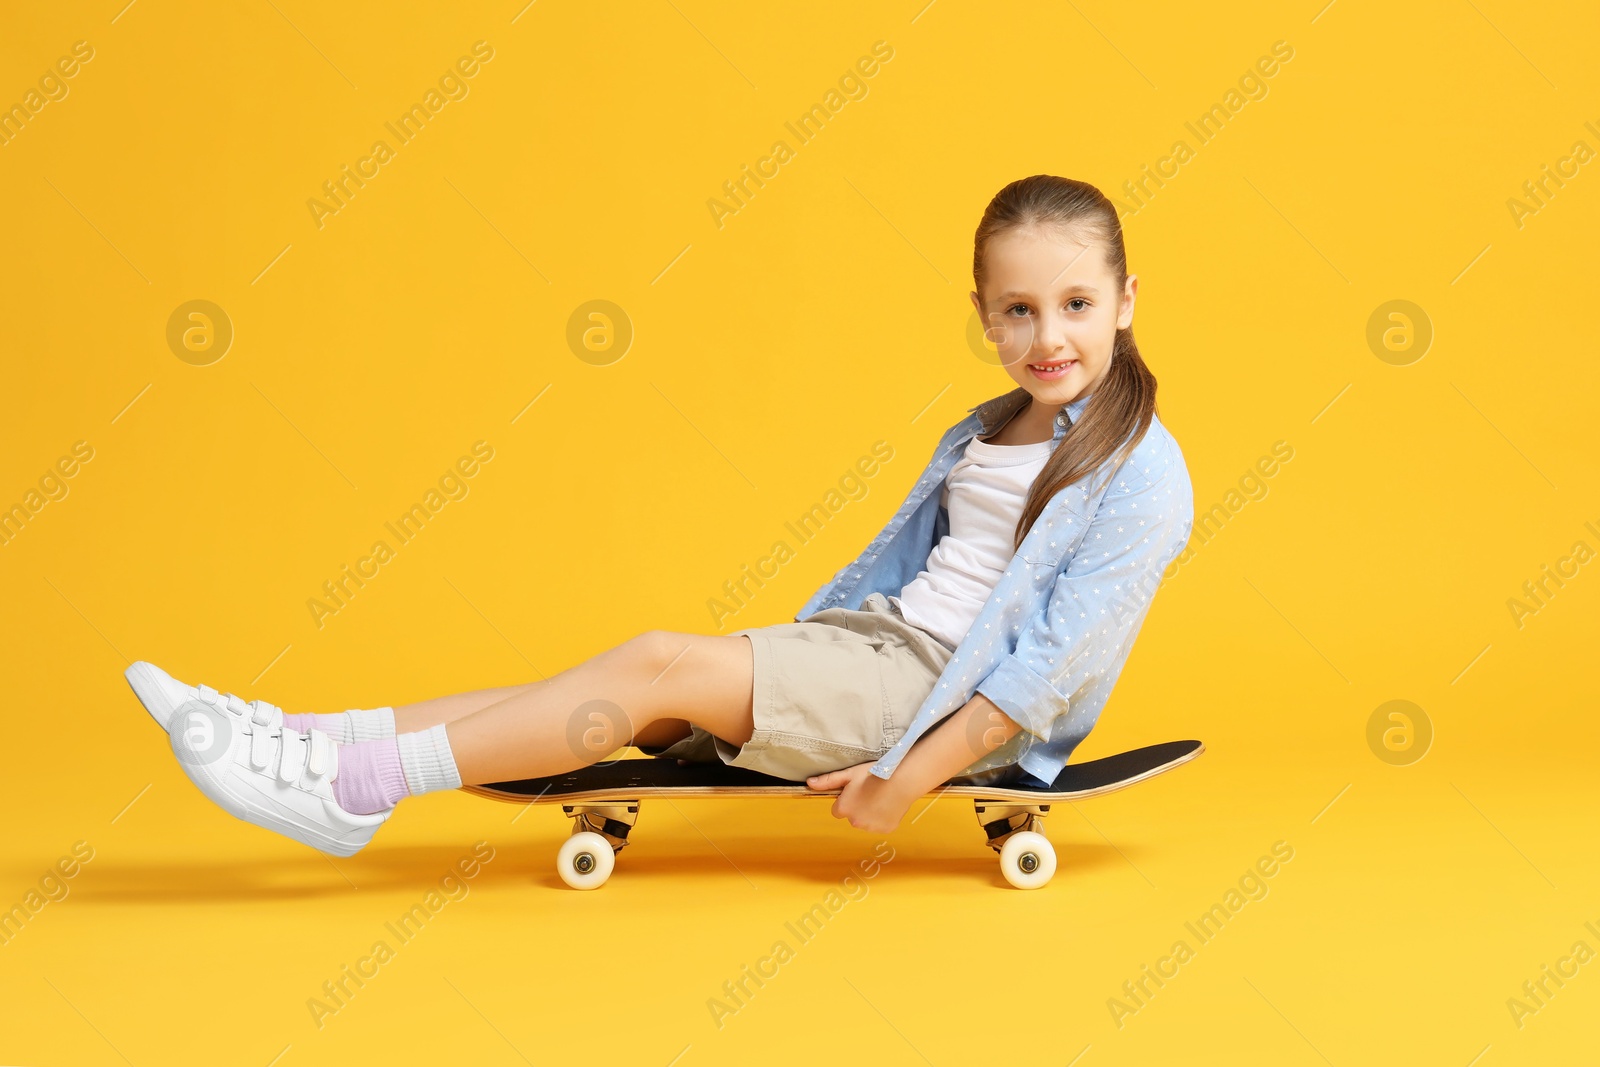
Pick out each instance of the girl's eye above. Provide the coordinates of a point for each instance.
(1014, 307)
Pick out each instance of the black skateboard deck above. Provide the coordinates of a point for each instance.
(635, 779)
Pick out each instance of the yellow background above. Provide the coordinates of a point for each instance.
(829, 313)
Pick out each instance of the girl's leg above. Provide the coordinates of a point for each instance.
(405, 718)
(644, 690)
(409, 718)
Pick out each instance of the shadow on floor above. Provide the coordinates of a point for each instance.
(758, 861)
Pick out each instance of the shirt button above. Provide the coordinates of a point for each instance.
(1061, 419)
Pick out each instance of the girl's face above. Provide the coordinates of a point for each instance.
(1053, 308)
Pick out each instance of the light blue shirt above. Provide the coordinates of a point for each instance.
(1050, 641)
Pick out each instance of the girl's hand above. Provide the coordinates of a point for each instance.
(873, 804)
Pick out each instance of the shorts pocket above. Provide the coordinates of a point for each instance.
(908, 678)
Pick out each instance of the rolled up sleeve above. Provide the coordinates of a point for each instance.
(1098, 602)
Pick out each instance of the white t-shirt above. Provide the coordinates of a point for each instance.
(984, 493)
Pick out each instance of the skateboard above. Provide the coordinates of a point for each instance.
(603, 803)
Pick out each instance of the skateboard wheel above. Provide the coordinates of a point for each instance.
(585, 861)
(1027, 859)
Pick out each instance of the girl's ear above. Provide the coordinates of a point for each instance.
(976, 303)
(1125, 310)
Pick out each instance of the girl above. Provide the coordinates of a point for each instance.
(976, 638)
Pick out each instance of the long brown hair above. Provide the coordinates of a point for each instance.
(1123, 403)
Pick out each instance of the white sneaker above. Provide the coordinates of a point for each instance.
(276, 778)
(161, 694)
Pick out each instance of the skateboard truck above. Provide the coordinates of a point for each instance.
(610, 821)
(1000, 821)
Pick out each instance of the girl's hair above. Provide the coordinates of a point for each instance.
(1122, 405)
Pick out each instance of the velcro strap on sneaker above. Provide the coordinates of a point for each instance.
(260, 749)
(292, 756)
(261, 712)
(322, 759)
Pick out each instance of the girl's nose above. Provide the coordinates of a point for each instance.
(1049, 335)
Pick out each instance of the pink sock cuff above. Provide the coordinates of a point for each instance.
(370, 778)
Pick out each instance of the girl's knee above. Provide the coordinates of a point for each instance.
(649, 647)
(658, 651)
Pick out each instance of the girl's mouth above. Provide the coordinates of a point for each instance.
(1052, 371)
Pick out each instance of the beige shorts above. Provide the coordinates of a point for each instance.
(838, 688)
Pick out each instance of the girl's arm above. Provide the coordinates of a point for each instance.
(877, 805)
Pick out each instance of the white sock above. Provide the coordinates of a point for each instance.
(371, 725)
(427, 761)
